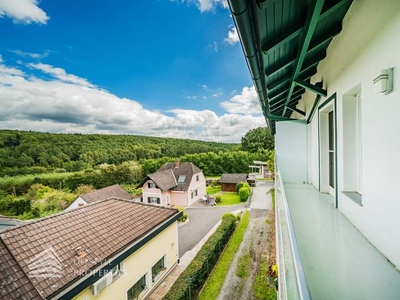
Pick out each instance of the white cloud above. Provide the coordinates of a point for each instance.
(245, 103)
(233, 37)
(214, 93)
(71, 104)
(23, 11)
(32, 55)
(61, 74)
(206, 5)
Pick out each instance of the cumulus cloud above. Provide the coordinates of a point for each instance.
(70, 104)
(245, 103)
(23, 11)
(233, 37)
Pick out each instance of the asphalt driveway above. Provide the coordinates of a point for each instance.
(201, 220)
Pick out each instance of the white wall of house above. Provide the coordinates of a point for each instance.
(197, 187)
(291, 150)
(369, 42)
(77, 203)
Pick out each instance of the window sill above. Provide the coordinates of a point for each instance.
(354, 196)
(117, 275)
(159, 275)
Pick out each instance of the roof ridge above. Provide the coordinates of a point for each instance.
(28, 222)
(141, 203)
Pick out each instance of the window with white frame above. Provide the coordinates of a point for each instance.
(197, 177)
(152, 185)
(157, 268)
(117, 271)
(134, 292)
(154, 200)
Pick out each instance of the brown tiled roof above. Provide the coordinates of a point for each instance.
(185, 168)
(164, 180)
(14, 284)
(233, 178)
(167, 180)
(101, 229)
(108, 192)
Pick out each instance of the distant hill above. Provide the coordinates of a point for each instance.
(27, 152)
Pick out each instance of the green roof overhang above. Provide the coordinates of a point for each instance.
(283, 42)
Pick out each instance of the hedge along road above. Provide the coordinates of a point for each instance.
(201, 220)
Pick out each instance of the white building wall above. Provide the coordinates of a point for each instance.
(291, 150)
(369, 42)
(78, 202)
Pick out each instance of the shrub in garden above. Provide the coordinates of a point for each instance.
(218, 199)
(244, 193)
(184, 215)
(241, 184)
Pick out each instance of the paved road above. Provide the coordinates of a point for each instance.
(261, 199)
(201, 220)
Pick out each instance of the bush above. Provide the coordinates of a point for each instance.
(11, 206)
(218, 199)
(184, 215)
(244, 193)
(241, 184)
(190, 282)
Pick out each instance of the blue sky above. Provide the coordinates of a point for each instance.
(160, 68)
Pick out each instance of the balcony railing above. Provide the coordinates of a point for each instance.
(292, 280)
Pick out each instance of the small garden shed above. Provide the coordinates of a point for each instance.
(229, 181)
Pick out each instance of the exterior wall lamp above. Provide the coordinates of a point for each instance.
(384, 82)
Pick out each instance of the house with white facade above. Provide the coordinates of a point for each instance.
(328, 81)
(175, 183)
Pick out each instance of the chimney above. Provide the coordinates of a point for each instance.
(177, 163)
(79, 253)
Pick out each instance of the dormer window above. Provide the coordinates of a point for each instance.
(181, 179)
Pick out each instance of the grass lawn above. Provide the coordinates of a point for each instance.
(213, 177)
(214, 283)
(211, 190)
(229, 199)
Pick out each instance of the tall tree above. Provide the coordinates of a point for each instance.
(258, 138)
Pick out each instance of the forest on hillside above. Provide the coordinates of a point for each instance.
(26, 152)
(42, 173)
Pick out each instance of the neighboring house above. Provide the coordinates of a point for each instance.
(323, 72)
(102, 194)
(112, 249)
(229, 181)
(175, 183)
(8, 222)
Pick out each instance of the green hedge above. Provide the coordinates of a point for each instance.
(190, 282)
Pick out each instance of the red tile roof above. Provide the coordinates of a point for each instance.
(101, 229)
